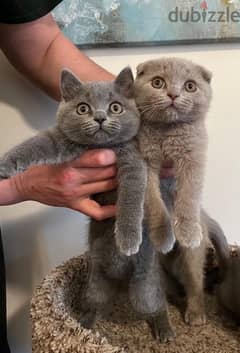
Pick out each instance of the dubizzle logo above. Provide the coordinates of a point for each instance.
(205, 15)
(204, 5)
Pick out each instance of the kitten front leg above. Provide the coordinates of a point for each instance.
(48, 147)
(159, 223)
(187, 207)
(132, 175)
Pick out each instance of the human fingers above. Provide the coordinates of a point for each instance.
(90, 175)
(94, 159)
(100, 186)
(92, 209)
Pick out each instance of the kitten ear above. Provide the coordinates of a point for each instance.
(124, 82)
(206, 74)
(140, 70)
(70, 85)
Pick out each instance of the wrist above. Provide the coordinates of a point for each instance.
(10, 191)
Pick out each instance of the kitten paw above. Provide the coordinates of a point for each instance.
(164, 239)
(129, 240)
(188, 233)
(7, 170)
(195, 316)
(164, 333)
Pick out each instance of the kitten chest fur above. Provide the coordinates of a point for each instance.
(158, 143)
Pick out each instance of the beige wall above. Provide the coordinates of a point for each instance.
(37, 238)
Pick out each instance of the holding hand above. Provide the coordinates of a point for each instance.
(66, 185)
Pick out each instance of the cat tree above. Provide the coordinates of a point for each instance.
(56, 309)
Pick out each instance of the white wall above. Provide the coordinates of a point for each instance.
(37, 238)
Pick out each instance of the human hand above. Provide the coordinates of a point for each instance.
(66, 185)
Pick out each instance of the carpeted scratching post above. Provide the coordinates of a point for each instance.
(56, 309)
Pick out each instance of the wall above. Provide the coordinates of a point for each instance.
(37, 238)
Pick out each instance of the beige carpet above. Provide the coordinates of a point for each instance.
(56, 308)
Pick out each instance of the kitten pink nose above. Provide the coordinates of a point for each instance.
(173, 95)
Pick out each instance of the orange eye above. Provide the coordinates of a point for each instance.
(83, 108)
(116, 108)
(158, 82)
(191, 86)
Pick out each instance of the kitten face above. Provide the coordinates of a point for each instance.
(172, 90)
(98, 113)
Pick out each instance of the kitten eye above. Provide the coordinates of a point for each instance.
(116, 108)
(190, 86)
(83, 108)
(158, 82)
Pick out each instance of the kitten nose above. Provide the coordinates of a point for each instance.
(100, 117)
(173, 95)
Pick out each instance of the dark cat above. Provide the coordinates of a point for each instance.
(228, 280)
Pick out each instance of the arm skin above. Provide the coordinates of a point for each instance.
(39, 50)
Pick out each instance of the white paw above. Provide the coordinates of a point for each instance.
(168, 243)
(128, 241)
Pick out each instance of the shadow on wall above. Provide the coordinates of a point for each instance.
(16, 92)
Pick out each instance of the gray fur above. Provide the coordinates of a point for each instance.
(228, 288)
(77, 131)
(140, 275)
(228, 292)
(174, 130)
(220, 243)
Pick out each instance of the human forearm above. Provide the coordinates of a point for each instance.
(39, 50)
(75, 60)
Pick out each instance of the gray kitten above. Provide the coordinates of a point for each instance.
(94, 115)
(173, 97)
(139, 275)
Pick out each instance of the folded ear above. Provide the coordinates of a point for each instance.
(140, 70)
(206, 74)
(70, 85)
(124, 82)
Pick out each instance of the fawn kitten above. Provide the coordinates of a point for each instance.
(186, 265)
(173, 97)
(94, 115)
